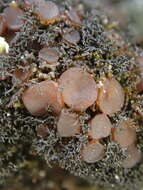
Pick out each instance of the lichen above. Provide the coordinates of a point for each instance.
(95, 53)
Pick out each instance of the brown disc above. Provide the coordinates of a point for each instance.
(3, 24)
(134, 156)
(139, 64)
(22, 75)
(40, 97)
(48, 12)
(50, 55)
(100, 126)
(13, 17)
(42, 130)
(74, 17)
(111, 96)
(72, 37)
(140, 86)
(93, 152)
(68, 124)
(79, 90)
(125, 134)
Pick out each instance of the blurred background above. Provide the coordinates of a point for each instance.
(128, 13)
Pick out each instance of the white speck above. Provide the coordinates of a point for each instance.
(8, 114)
(22, 57)
(110, 67)
(4, 47)
(117, 177)
(100, 84)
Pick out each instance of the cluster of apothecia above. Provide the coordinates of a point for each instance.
(47, 12)
(75, 90)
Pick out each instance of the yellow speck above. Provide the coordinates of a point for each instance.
(17, 105)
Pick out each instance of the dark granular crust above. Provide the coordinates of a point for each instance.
(99, 52)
